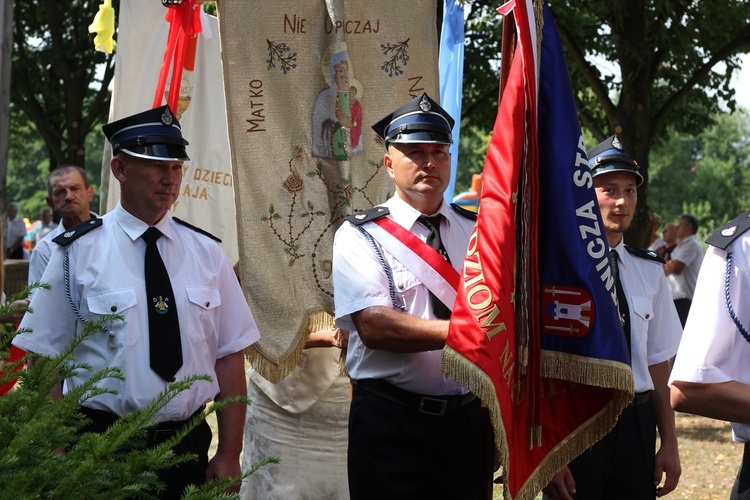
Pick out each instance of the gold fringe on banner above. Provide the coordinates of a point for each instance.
(479, 383)
(315, 321)
(588, 371)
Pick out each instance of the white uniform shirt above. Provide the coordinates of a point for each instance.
(42, 252)
(712, 350)
(106, 273)
(689, 251)
(360, 282)
(16, 228)
(655, 328)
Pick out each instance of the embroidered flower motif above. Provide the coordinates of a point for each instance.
(293, 183)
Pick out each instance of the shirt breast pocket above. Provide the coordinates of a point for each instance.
(122, 303)
(405, 284)
(202, 310)
(643, 313)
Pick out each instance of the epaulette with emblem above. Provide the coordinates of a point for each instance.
(464, 212)
(196, 229)
(726, 234)
(367, 215)
(75, 232)
(645, 254)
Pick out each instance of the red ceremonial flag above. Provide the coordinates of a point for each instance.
(534, 331)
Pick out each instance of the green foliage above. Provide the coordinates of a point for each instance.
(638, 69)
(29, 164)
(59, 83)
(209, 8)
(481, 84)
(472, 148)
(116, 464)
(707, 175)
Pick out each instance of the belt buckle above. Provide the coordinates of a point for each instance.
(160, 435)
(442, 402)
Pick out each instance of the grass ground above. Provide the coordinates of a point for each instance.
(709, 459)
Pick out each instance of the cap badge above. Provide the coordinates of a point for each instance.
(424, 104)
(729, 231)
(166, 118)
(616, 142)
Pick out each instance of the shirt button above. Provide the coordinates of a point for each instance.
(648, 316)
(208, 304)
(113, 308)
(400, 286)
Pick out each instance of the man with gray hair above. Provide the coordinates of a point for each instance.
(69, 194)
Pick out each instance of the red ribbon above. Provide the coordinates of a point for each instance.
(14, 356)
(184, 25)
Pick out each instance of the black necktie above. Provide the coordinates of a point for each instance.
(440, 310)
(163, 323)
(622, 302)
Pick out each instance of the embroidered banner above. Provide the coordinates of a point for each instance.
(535, 331)
(304, 81)
(207, 191)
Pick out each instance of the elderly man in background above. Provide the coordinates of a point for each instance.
(69, 194)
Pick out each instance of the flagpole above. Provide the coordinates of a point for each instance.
(507, 49)
(487, 467)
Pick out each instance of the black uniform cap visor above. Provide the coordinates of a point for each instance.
(169, 152)
(422, 136)
(618, 167)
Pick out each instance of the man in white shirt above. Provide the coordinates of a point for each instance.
(192, 320)
(413, 432)
(684, 264)
(69, 194)
(710, 376)
(625, 463)
(14, 234)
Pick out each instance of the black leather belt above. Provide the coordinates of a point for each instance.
(429, 405)
(156, 434)
(641, 398)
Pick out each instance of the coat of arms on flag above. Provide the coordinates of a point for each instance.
(566, 311)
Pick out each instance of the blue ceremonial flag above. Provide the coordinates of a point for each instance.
(451, 66)
(573, 250)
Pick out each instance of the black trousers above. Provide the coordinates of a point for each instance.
(18, 254)
(397, 452)
(175, 478)
(683, 308)
(621, 465)
(741, 488)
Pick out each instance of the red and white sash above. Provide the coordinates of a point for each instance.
(426, 263)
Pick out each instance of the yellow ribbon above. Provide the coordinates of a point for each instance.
(104, 27)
